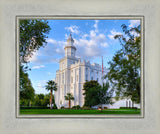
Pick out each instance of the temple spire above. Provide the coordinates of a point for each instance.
(70, 34)
(70, 40)
(70, 49)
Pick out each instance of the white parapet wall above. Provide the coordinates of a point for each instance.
(119, 103)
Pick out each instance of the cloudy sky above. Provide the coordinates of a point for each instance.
(93, 39)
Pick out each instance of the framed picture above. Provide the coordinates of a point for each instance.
(79, 84)
(75, 28)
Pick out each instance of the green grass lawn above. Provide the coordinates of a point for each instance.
(79, 111)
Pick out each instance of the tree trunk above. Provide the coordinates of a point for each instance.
(69, 104)
(51, 100)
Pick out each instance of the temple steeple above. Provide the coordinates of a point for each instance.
(70, 40)
(70, 49)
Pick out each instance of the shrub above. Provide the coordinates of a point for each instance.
(62, 107)
(55, 106)
(105, 108)
(86, 108)
(76, 107)
(34, 107)
(24, 103)
(128, 108)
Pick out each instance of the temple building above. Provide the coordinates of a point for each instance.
(72, 74)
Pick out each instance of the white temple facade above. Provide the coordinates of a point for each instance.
(72, 74)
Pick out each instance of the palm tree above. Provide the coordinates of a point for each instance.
(69, 97)
(51, 85)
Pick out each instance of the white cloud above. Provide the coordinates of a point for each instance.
(49, 73)
(37, 67)
(34, 57)
(92, 46)
(51, 41)
(134, 23)
(55, 42)
(84, 36)
(50, 53)
(89, 45)
(39, 86)
(104, 44)
(73, 29)
(66, 36)
(96, 25)
(54, 48)
(134, 33)
(113, 33)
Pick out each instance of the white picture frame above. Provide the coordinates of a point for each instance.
(148, 123)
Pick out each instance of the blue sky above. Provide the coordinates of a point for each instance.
(93, 39)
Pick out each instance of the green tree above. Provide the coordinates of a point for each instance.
(42, 100)
(41, 96)
(38, 101)
(69, 97)
(124, 70)
(46, 100)
(26, 89)
(32, 35)
(104, 95)
(91, 89)
(24, 102)
(95, 94)
(51, 85)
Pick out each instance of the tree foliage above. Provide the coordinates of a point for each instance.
(69, 97)
(26, 89)
(42, 100)
(124, 70)
(38, 100)
(32, 37)
(91, 89)
(105, 95)
(95, 94)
